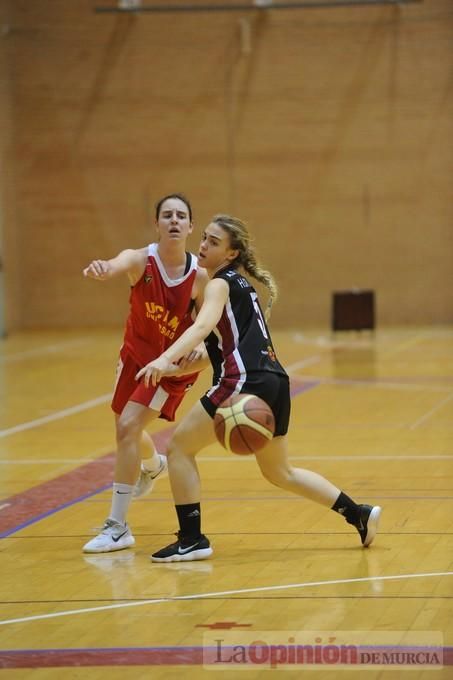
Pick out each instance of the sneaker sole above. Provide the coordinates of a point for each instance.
(128, 543)
(372, 525)
(202, 554)
(138, 493)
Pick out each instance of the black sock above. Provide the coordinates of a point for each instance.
(345, 506)
(189, 517)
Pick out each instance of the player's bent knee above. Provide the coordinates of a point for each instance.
(127, 428)
(178, 446)
(278, 477)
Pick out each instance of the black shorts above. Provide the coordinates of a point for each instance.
(273, 388)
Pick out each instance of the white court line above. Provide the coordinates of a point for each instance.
(378, 341)
(428, 415)
(54, 461)
(221, 593)
(376, 383)
(84, 406)
(46, 349)
(56, 416)
(237, 459)
(358, 457)
(403, 346)
(308, 361)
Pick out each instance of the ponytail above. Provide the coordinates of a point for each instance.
(240, 240)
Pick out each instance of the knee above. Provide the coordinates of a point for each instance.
(178, 445)
(127, 428)
(281, 477)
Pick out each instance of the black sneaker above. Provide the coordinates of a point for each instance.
(367, 524)
(184, 550)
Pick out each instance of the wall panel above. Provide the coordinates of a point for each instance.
(332, 136)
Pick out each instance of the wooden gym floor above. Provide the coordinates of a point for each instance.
(372, 412)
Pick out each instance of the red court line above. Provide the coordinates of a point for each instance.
(40, 501)
(365, 656)
(48, 658)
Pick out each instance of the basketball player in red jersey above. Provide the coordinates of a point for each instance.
(244, 360)
(166, 285)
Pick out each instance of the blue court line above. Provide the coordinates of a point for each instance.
(33, 520)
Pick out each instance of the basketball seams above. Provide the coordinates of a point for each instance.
(236, 427)
(238, 433)
(243, 420)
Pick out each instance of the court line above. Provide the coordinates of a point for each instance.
(431, 412)
(45, 349)
(435, 656)
(84, 406)
(216, 459)
(358, 457)
(317, 358)
(378, 382)
(308, 361)
(298, 386)
(48, 498)
(77, 485)
(94, 477)
(38, 502)
(378, 341)
(50, 461)
(17, 516)
(377, 495)
(222, 593)
(404, 345)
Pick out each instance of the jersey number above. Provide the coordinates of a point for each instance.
(259, 315)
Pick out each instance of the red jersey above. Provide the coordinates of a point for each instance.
(160, 308)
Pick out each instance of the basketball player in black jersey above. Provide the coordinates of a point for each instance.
(242, 355)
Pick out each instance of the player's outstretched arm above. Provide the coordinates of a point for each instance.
(128, 261)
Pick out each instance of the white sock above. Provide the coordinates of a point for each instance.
(121, 499)
(152, 464)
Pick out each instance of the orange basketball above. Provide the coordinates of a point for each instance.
(244, 424)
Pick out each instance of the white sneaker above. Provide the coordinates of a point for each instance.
(114, 536)
(146, 479)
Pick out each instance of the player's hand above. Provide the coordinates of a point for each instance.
(154, 371)
(195, 355)
(97, 269)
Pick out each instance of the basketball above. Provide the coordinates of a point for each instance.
(244, 424)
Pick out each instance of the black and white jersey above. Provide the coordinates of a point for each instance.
(240, 348)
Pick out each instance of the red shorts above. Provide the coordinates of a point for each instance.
(164, 397)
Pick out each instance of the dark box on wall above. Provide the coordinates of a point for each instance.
(353, 310)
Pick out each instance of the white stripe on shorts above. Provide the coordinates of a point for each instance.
(159, 398)
(119, 368)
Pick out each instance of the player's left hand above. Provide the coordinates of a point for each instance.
(154, 371)
(195, 355)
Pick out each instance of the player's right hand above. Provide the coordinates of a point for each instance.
(97, 269)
